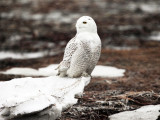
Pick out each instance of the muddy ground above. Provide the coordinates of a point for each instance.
(125, 28)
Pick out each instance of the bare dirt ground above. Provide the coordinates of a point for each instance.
(106, 96)
(27, 27)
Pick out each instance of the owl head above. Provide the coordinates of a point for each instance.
(86, 24)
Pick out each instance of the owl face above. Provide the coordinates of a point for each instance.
(86, 24)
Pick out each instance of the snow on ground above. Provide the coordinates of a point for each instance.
(112, 47)
(99, 71)
(155, 36)
(148, 7)
(29, 95)
(49, 17)
(46, 71)
(4, 55)
(107, 71)
(150, 112)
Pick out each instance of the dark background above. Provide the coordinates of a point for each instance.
(130, 34)
(34, 25)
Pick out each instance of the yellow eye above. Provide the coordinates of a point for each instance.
(84, 22)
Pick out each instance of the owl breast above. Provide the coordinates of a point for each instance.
(94, 45)
(86, 55)
(94, 57)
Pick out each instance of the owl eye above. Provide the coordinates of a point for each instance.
(84, 22)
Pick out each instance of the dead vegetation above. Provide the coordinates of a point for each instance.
(99, 105)
(118, 26)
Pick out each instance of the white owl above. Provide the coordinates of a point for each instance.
(83, 51)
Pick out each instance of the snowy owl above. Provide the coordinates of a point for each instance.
(83, 51)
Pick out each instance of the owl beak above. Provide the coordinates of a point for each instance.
(84, 22)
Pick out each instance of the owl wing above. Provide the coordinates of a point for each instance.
(69, 51)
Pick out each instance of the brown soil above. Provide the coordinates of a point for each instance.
(139, 86)
(103, 96)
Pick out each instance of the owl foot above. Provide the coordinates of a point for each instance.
(84, 74)
(61, 74)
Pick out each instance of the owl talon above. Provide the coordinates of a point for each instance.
(61, 74)
(84, 74)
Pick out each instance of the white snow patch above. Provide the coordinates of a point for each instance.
(120, 47)
(155, 36)
(107, 71)
(149, 7)
(128, 27)
(52, 16)
(14, 38)
(36, 17)
(24, 1)
(28, 95)
(4, 55)
(46, 71)
(99, 71)
(150, 112)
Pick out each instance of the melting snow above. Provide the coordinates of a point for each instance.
(14, 38)
(99, 71)
(4, 55)
(29, 95)
(120, 47)
(49, 17)
(149, 7)
(150, 112)
(155, 36)
(107, 71)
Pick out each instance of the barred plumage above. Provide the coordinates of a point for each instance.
(83, 51)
